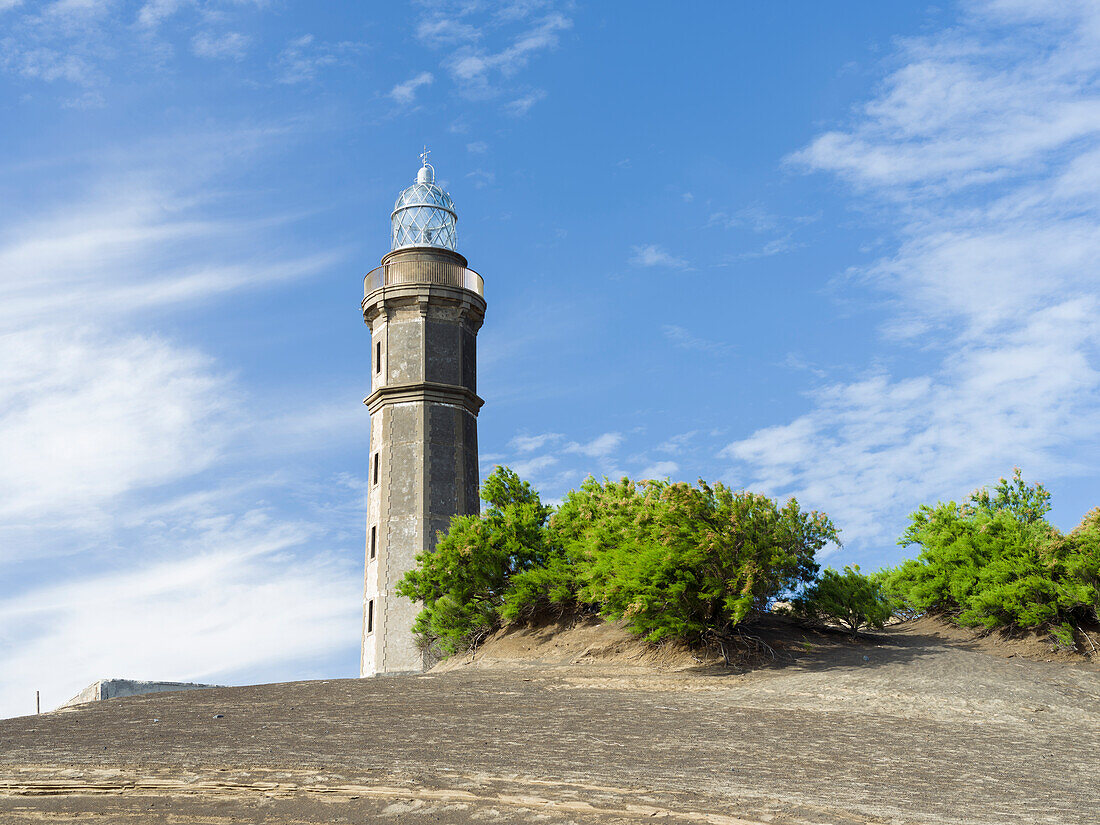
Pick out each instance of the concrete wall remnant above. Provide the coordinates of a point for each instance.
(117, 688)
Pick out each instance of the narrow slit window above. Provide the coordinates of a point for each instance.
(378, 357)
(376, 468)
(373, 540)
(370, 616)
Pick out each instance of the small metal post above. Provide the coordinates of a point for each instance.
(37, 703)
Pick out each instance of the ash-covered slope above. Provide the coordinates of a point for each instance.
(907, 729)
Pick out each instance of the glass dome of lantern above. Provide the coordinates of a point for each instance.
(424, 215)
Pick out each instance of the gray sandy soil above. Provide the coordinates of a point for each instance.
(911, 727)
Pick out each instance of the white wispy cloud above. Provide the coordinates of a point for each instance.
(305, 57)
(661, 469)
(446, 31)
(984, 146)
(560, 464)
(489, 44)
(874, 448)
(683, 339)
(108, 431)
(300, 60)
(221, 46)
(237, 593)
(759, 220)
(477, 147)
(531, 468)
(89, 99)
(97, 253)
(406, 92)
(755, 217)
(306, 427)
(481, 178)
(522, 105)
(520, 9)
(476, 68)
(86, 417)
(47, 64)
(90, 43)
(530, 443)
(94, 410)
(155, 12)
(776, 246)
(678, 443)
(975, 103)
(654, 255)
(599, 447)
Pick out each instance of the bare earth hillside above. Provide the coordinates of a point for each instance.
(915, 726)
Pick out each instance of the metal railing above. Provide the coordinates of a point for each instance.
(423, 272)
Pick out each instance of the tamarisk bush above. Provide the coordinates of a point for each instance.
(672, 559)
(684, 561)
(849, 598)
(995, 561)
(463, 582)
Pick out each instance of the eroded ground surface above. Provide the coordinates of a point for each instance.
(913, 728)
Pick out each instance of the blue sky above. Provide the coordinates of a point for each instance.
(844, 251)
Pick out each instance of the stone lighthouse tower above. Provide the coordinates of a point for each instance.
(424, 308)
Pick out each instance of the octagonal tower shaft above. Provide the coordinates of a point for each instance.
(424, 308)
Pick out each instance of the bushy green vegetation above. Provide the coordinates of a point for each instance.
(691, 562)
(684, 561)
(463, 583)
(995, 561)
(850, 599)
(672, 559)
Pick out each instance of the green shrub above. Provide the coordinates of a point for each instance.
(674, 560)
(849, 598)
(462, 584)
(538, 590)
(681, 561)
(995, 561)
(1075, 560)
(1026, 504)
(691, 562)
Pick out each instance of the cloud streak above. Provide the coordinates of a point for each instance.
(237, 594)
(86, 417)
(98, 256)
(476, 68)
(406, 92)
(490, 45)
(109, 435)
(983, 147)
(599, 447)
(530, 443)
(90, 44)
(683, 339)
(221, 46)
(974, 104)
(649, 255)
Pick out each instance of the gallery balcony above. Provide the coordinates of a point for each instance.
(420, 270)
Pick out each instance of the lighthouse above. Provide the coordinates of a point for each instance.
(424, 307)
